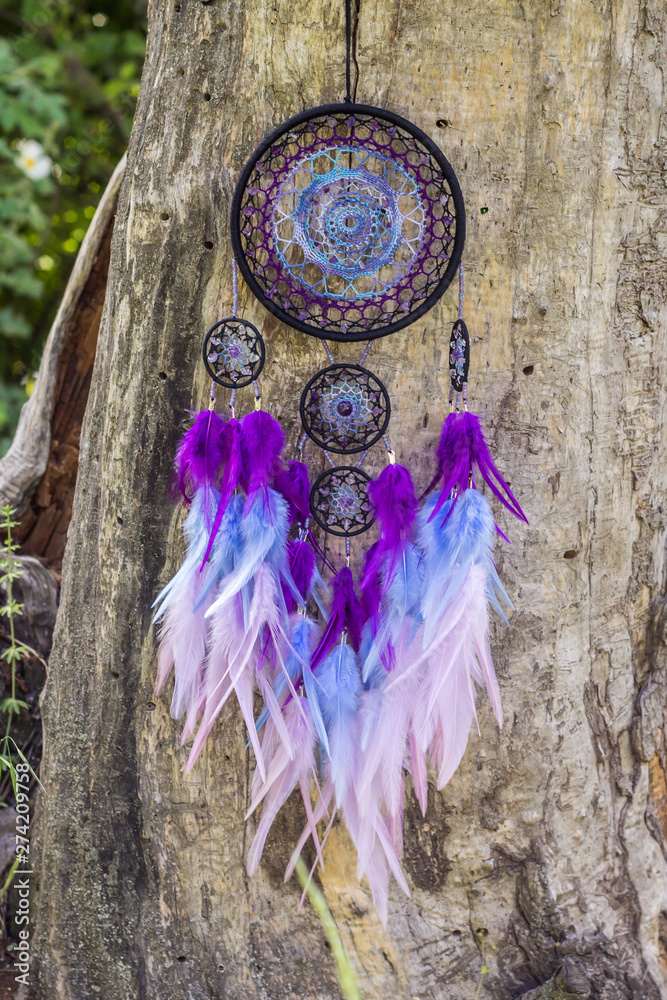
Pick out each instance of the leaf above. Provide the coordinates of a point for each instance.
(10, 876)
(27, 762)
(12, 324)
(13, 705)
(8, 764)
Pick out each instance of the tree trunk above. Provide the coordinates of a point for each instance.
(43, 457)
(546, 856)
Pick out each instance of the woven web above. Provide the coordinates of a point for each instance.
(347, 223)
(356, 228)
(233, 353)
(339, 501)
(345, 408)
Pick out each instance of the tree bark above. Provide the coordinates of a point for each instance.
(548, 849)
(43, 457)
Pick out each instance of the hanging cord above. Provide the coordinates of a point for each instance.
(367, 350)
(328, 352)
(235, 312)
(235, 288)
(348, 51)
(332, 360)
(211, 395)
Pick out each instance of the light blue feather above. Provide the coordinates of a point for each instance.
(450, 545)
(227, 548)
(318, 591)
(400, 604)
(264, 534)
(313, 688)
(195, 529)
(338, 699)
(303, 638)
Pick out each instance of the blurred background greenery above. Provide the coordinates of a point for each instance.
(69, 79)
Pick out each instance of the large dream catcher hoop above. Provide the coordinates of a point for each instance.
(348, 224)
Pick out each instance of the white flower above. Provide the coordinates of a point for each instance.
(32, 160)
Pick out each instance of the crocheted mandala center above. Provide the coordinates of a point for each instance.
(348, 223)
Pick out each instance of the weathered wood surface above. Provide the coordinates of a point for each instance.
(551, 839)
(43, 457)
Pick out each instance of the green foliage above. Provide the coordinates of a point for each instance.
(10, 571)
(69, 78)
(481, 935)
(10, 568)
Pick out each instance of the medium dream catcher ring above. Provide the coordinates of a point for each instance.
(345, 409)
(348, 222)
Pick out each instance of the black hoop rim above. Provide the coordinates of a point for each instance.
(334, 448)
(445, 166)
(313, 509)
(261, 351)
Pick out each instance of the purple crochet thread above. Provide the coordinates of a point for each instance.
(347, 223)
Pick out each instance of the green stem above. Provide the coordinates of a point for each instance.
(479, 985)
(12, 633)
(347, 980)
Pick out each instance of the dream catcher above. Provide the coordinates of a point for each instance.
(348, 224)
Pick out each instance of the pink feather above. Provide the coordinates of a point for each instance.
(318, 814)
(234, 654)
(458, 655)
(385, 738)
(183, 648)
(373, 863)
(283, 773)
(419, 770)
(227, 644)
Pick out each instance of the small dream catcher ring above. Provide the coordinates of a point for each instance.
(348, 222)
(233, 352)
(339, 501)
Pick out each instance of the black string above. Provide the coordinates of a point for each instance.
(348, 45)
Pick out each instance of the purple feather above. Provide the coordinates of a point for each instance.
(319, 552)
(262, 441)
(446, 446)
(462, 451)
(230, 439)
(294, 484)
(395, 501)
(200, 454)
(393, 497)
(346, 613)
(301, 561)
(371, 587)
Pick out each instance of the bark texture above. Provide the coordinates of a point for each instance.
(546, 856)
(43, 456)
